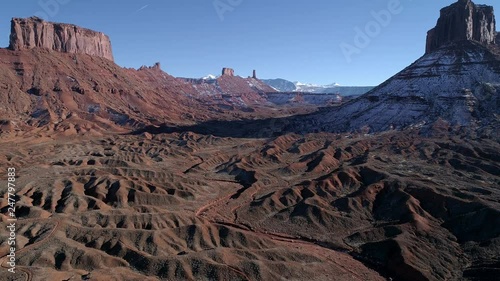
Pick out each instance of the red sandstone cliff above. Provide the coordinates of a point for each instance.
(463, 21)
(36, 33)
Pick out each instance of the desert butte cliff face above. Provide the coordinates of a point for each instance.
(36, 33)
(63, 77)
(463, 21)
(457, 80)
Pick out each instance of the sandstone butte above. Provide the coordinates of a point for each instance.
(34, 32)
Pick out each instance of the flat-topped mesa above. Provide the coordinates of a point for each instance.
(34, 32)
(227, 71)
(463, 21)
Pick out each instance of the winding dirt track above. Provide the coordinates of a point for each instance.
(25, 270)
(29, 275)
(279, 237)
(169, 205)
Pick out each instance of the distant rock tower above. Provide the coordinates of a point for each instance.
(227, 71)
(156, 66)
(254, 75)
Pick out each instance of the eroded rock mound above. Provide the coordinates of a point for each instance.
(36, 33)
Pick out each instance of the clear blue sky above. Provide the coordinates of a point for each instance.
(298, 40)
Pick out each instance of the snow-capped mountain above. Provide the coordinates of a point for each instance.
(457, 80)
(210, 77)
(457, 84)
(283, 85)
(312, 88)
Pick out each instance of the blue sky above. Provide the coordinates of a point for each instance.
(309, 41)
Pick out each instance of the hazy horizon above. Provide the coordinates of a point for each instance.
(311, 43)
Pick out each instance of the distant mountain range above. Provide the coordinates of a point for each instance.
(283, 85)
(210, 77)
